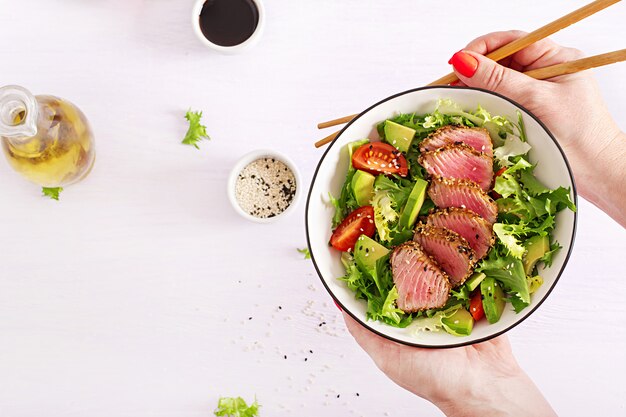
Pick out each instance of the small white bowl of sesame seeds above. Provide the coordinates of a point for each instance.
(264, 185)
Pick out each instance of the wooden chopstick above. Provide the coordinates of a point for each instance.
(503, 52)
(548, 72)
(536, 35)
(577, 65)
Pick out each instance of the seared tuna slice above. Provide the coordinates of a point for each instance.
(420, 282)
(449, 249)
(459, 161)
(446, 192)
(473, 228)
(476, 137)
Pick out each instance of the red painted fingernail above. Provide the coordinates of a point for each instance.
(450, 60)
(338, 306)
(464, 63)
(455, 83)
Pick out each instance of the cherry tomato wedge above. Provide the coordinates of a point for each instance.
(359, 222)
(380, 158)
(476, 306)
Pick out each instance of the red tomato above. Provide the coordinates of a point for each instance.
(359, 222)
(476, 306)
(380, 158)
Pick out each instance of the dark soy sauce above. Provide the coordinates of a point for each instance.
(228, 22)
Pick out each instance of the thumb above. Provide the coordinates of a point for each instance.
(475, 70)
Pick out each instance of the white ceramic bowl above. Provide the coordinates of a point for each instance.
(229, 50)
(242, 163)
(552, 169)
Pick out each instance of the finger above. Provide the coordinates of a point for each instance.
(545, 55)
(370, 342)
(500, 343)
(540, 54)
(492, 41)
(476, 70)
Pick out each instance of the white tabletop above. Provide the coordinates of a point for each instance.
(142, 293)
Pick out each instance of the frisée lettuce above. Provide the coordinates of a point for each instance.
(527, 211)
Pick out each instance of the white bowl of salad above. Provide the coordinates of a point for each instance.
(441, 216)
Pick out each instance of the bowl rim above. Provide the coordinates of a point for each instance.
(459, 344)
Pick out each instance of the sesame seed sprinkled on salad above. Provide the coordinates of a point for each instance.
(441, 220)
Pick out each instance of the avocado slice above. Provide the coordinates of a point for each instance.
(413, 204)
(536, 247)
(534, 283)
(493, 299)
(363, 187)
(398, 135)
(474, 281)
(367, 251)
(459, 324)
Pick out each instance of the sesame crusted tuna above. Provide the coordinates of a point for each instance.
(446, 192)
(449, 249)
(476, 137)
(473, 228)
(420, 282)
(459, 161)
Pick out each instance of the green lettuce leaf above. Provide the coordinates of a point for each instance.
(236, 407)
(432, 323)
(357, 281)
(506, 234)
(305, 252)
(547, 257)
(346, 203)
(388, 311)
(509, 271)
(52, 193)
(512, 146)
(196, 131)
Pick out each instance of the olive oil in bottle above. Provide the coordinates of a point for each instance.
(46, 139)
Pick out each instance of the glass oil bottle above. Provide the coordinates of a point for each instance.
(46, 139)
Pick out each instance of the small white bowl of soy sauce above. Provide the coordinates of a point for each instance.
(228, 26)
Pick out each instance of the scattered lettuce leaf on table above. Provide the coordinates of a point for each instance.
(236, 407)
(305, 252)
(51, 192)
(196, 131)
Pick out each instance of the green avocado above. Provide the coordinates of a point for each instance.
(367, 251)
(398, 135)
(474, 281)
(493, 299)
(459, 324)
(534, 283)
(363, 187)
(536, 247)
(413, 204)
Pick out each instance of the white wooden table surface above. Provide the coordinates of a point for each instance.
(141, 293)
